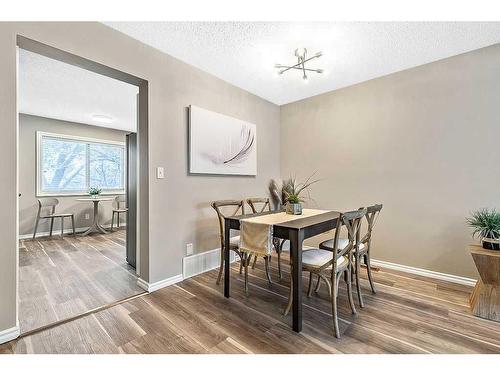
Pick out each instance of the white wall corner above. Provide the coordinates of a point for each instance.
(151, 287)
(423, 272)
(9, 334)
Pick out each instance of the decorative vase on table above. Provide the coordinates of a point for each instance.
(486, 225)
(294, 208)
(289, 194)
(491, 243)
(94, 192)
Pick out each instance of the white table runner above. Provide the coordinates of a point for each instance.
(256, 233)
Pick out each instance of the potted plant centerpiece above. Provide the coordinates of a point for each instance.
(486, 225)
(94, 192)
(294, 205)
(290, 194)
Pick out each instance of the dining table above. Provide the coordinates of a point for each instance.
(96, 226)
(296, 230)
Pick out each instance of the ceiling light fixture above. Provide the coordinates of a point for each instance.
(102, 118)
(301, 54)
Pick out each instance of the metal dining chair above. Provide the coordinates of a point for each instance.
(237, 208)
(363, 251)
(331, 265)
(120, 202)
(50, 205)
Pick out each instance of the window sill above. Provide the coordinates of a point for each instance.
(79, 195)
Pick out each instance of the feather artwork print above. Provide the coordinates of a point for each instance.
(247, 142)
(220, 144)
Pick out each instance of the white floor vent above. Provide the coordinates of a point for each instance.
(198, 263)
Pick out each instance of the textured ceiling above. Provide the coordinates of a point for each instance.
(244, 53)
(53, 89)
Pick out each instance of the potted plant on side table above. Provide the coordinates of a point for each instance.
(486, 225)
(94, 192)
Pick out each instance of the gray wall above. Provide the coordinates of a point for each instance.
(424, 142)
(179, 210)
(28, 126)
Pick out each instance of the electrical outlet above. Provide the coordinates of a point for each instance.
(87, 216)
(189, 249)
(160, 173)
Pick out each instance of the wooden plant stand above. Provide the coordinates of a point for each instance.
(485, 298)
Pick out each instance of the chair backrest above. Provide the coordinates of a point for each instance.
(235, 207)
(352, 222)
(119, 200)
(47, 202)
(254, 204)
(372, 214)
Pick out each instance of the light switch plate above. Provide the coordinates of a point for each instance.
(160, 172)
(189, 249)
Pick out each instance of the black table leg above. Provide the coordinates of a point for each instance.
(296, 239)
(227, 233)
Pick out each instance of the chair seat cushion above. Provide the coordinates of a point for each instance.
(343, 242)
(319, 257)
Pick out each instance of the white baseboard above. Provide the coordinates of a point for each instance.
(196, 264)
(151, 287)
(66, 231)
(9, 334)
(423, 272)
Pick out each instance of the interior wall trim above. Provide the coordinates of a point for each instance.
(423, 272)
(57, 232)
(151, 287)
(197, 264)
(9, 334)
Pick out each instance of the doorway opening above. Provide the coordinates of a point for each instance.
(82, 128)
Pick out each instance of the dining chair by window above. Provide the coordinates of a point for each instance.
(120, 202)
(331, 265)
(363, 250)
(49, 204)
(236, 208)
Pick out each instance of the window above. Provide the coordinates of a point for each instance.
(69, 165)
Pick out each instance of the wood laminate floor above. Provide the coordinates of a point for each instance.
(409, 314)
(62, 278)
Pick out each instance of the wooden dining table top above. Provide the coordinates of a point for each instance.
(298, 223)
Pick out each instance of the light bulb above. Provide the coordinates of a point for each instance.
(300, 53)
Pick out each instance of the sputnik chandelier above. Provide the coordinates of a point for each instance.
(302, 59)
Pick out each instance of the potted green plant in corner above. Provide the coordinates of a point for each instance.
(94, 192)
(486, 225)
